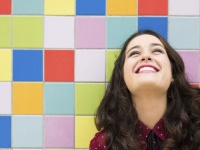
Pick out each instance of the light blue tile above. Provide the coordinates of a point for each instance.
(27, 131)
(119, 29)
(59, 98)
(184, 32)
(28, 7)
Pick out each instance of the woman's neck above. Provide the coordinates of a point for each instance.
(150, 109)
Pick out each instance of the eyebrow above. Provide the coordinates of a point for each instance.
(152, 44)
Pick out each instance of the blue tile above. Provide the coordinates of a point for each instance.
(5, 132)
(59, 98)
(157, 24)
(90, 7)
(119, 29)
(27, 65)
(184, 32)
(31, 7)
(27, 131)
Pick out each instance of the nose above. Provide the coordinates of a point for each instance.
(146, 57)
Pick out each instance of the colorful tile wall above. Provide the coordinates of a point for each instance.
(56, 58)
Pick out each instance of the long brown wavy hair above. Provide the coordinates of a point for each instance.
(118, 117)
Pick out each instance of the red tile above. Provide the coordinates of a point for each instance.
(5, 7)
(59, 65)
(152, 7)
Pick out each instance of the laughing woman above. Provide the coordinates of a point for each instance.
(149, 103)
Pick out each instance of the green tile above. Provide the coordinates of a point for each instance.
(111, 56)
(5, 32)
(27, 32)
(88, 97)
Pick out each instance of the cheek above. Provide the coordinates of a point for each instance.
(128, 67)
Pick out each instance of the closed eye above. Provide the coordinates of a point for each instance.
(158, 51)
(134, 53)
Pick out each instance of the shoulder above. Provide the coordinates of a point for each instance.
(98, 142)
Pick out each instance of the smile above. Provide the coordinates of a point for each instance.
(147, 69)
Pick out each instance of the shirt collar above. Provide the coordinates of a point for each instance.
(159, 129)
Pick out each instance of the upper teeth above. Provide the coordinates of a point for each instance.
(146, 69)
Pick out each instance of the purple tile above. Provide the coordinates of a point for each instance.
(59, 132)
(90, 32)
(191, 60)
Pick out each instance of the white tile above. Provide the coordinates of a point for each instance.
(5, 98)
(90, 65)
(184, 7)
(58, 32)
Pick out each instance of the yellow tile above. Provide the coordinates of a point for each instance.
(5, 65)
(121, 7)
(59, 7)
(27, 98)
(85, 130)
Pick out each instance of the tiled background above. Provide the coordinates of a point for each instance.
(56, 57)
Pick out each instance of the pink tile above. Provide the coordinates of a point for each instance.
(90, 32)
(59, 132)
(191, 59)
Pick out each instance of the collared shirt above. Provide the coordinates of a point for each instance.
(159, 130)
(98, 142)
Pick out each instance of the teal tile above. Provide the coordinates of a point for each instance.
(31, 7)
(184, 32)
(59, 98)
(27, 131)
(119, 29)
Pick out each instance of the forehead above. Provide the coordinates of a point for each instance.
(144, 40)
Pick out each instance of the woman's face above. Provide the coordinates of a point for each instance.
(147, 65)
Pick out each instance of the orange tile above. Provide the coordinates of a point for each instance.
(27, 98)
(121, 7)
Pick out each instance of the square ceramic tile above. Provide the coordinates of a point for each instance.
(90, 32)
(27, 65)
(111, 56)
(5, 65)
(59, 65)
(59, 7)
(183, 32)
(5, 101)
(5, 132)
(119, 29)
(59, 132)
(122, 7)
(153, 7)
(27, 32)
(184, 7)
(191, 61)
(5, 7)
(90, 65)
(27, 131)
(27, 98)
(85, 130)
(90, 7)
(158, 24)
(24, 7)
(59, 98)
(58, 32)
(88, 97)
(5, 30)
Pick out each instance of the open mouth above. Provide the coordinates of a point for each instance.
(147, 69)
